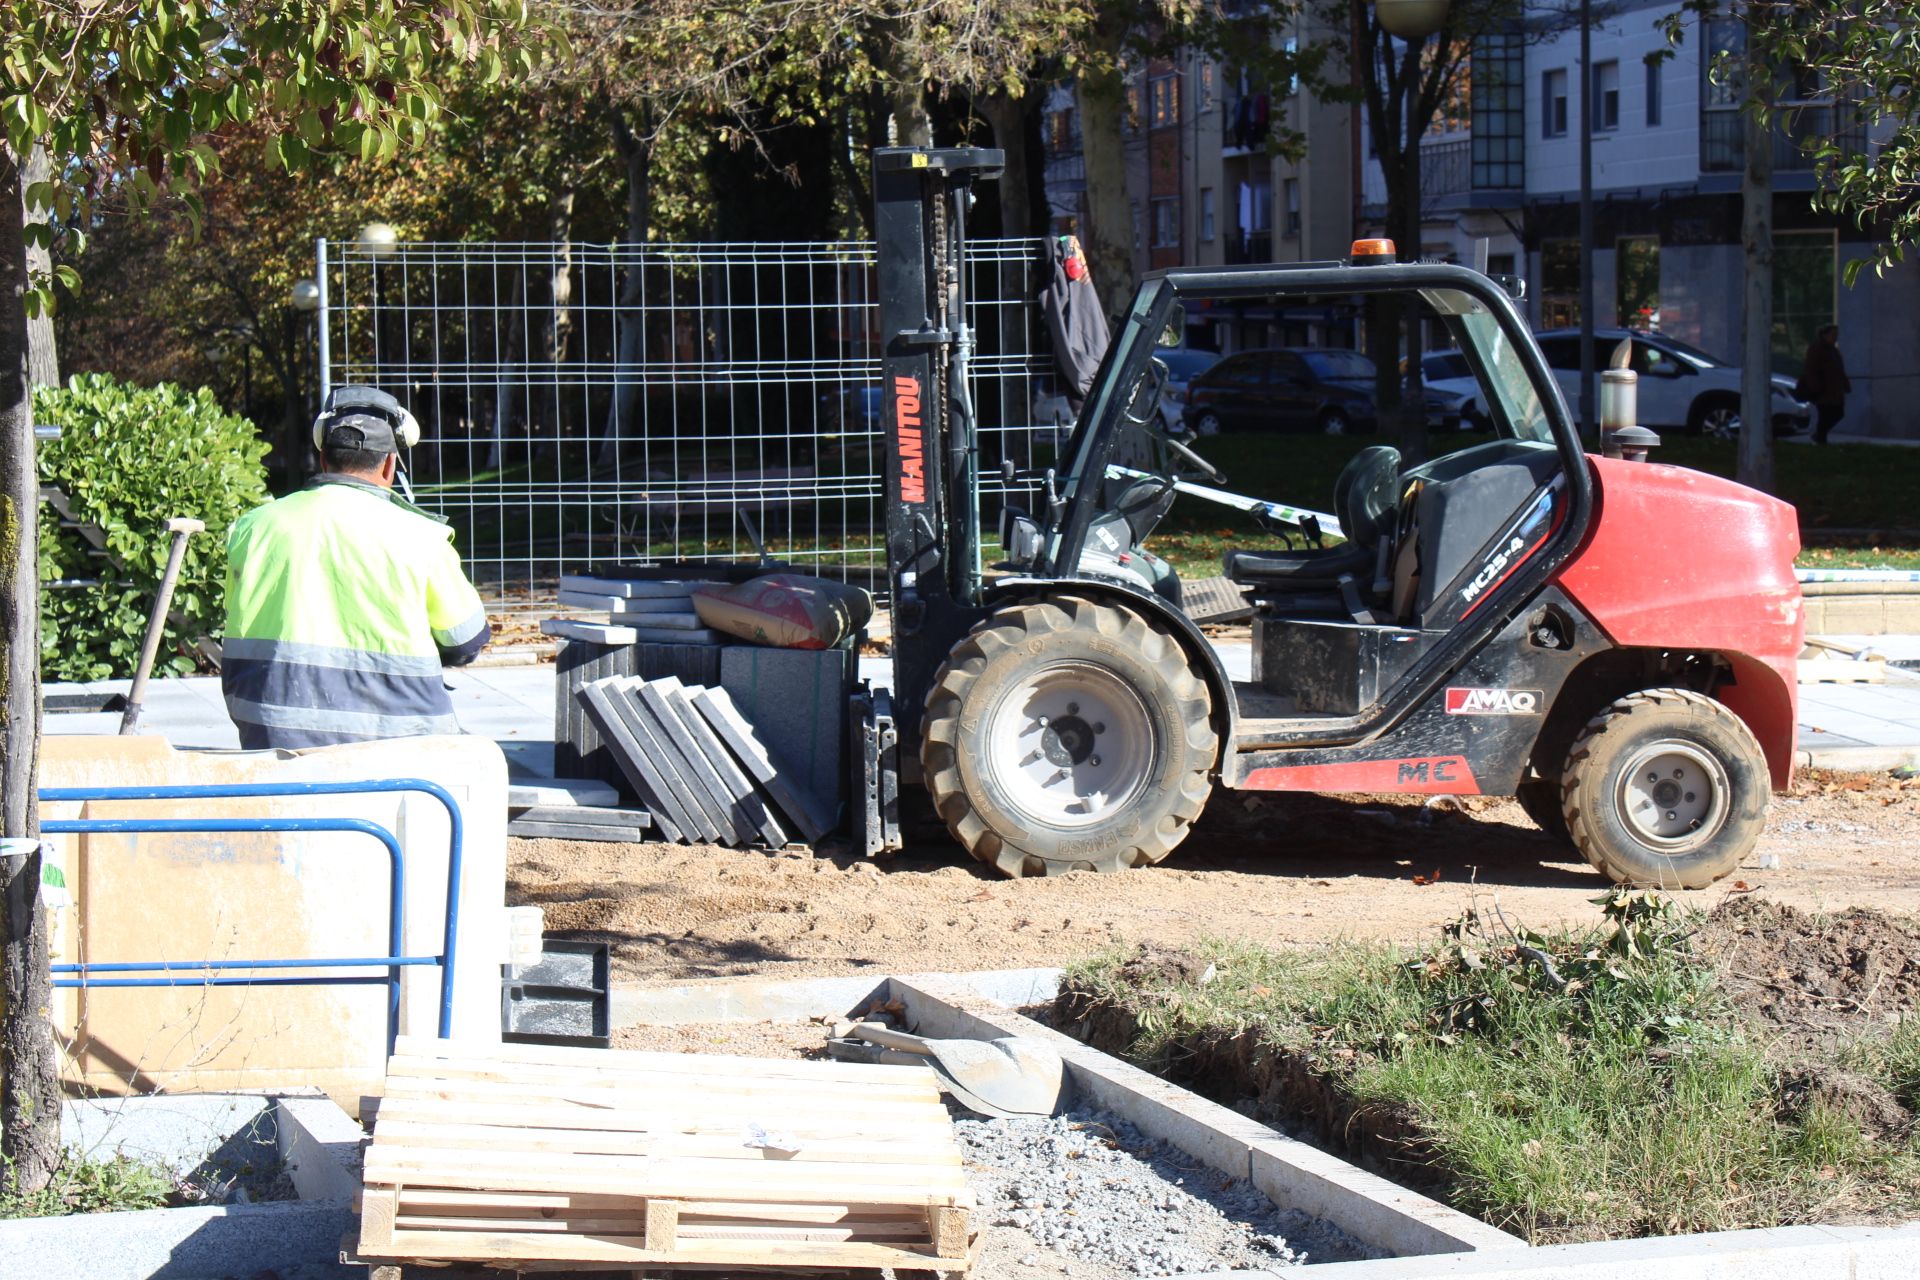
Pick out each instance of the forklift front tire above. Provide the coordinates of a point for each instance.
(1066, 735)
(1665, 788)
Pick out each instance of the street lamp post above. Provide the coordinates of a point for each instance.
(1587, 362)
(302, 316)
(380, 240)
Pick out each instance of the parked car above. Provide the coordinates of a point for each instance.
(1681, 386)
(1449, 373)
(1324, 389)
(1184, 364)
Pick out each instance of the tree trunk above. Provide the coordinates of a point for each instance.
(558, 337)
(1756, 326)
(29, 1069)
(904, 80)
(636, 157)
(1008, 116)
(43, 362)
(1102, 99)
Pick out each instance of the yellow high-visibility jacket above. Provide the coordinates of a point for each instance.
(343, 604)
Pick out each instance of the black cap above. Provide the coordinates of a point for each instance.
(364, 431)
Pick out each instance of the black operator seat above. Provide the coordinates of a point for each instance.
(1366, 496)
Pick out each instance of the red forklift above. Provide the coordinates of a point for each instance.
(1609, 640)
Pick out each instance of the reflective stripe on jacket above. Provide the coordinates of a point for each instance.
(342, 607)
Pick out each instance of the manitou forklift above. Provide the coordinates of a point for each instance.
(1609, 640)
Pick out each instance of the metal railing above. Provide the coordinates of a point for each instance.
(592, 405)
(182, 973)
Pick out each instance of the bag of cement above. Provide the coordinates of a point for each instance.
(785, 610)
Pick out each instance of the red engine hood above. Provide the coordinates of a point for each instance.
(1679, 559)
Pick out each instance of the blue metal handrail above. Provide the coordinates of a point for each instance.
(176, 971)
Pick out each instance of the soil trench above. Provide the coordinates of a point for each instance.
(1278, 869)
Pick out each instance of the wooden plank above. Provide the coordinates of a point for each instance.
(685, 1177)
(706, 1064)
(949, 1231)
(652, 1095)
(666, 1103)
(844, 1148)
(535, 1246)
(929, 1130)
(898, 1229)
(431, 1200)
(662, 1224)
(906, 1084)
(378, 1208)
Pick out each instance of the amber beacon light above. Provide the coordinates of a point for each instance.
(1371, 253)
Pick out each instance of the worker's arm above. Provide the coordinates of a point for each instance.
(454, 611)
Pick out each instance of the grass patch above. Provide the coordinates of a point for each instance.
(1570, 1086)
(85, 1185)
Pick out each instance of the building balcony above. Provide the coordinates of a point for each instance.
(1723, 144)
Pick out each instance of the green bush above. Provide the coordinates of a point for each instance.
(129, 459)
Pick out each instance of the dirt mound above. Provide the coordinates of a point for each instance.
(1152, 966)
(1816, 977)
(1865, 1102)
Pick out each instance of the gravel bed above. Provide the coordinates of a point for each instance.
(1092, 1187)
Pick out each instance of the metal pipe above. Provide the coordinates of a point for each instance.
(241, 790)
(320, 317)
(1587, 362)
(182, 528)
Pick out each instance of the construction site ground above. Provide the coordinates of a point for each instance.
(1289, 869)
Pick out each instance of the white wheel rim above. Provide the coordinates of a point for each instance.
(1723, 423)
(1336, 424)
(1070, 745)
(1672, 796)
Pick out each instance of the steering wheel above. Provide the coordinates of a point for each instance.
(1180, 447)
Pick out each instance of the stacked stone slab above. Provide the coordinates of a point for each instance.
(698, 765)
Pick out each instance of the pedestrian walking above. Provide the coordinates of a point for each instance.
(1824, 382)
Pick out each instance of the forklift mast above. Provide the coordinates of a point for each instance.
(921, 200)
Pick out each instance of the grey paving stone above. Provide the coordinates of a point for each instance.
(796, 701)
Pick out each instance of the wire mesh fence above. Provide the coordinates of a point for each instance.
(585, 407)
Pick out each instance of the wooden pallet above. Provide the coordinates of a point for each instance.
(528, 1156)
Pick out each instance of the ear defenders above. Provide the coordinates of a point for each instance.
(344, 403)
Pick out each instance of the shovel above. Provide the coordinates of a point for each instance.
(1011, 1076)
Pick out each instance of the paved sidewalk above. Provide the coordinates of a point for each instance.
(1842, 726)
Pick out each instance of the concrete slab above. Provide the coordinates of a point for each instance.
(561, 793)
(796, 701)
(1780, 1253)
(655, 786)
(812, 819)
(671, 737)
(747, 801)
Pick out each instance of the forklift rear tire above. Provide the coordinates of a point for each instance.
(1066, 735)
(1666, 788)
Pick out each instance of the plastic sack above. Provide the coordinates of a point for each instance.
(785, 610)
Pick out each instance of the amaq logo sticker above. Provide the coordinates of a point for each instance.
(1493, 702)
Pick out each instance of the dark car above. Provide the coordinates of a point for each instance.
(1324, 389)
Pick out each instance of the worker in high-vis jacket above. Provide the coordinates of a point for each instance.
(345, 600)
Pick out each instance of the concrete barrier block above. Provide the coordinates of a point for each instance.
(321, 1145)
(796, 701)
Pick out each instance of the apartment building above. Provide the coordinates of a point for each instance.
(1501, 178)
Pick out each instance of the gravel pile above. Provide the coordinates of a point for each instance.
(1091, 1186)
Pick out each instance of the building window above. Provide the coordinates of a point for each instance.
(1166, 223)
(1722, 140)
(1498, 111)
(1636, 282)
(1060, 131)
(1206, 214)
(1204, 73)
(1553, 104)
(1804, 294)
(1559, 284)
(1606, 96)
(1653, 90)
(1164, 97)
(1290, 192)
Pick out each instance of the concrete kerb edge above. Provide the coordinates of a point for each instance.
(1293, 1174)
(321, 1145)
(1772, 1253)
(1864, 759)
